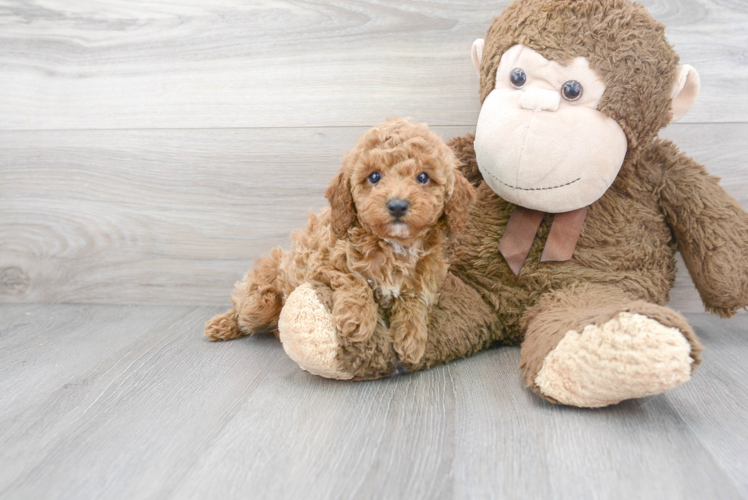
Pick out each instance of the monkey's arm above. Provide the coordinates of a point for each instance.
(464, 150)
(711, 229)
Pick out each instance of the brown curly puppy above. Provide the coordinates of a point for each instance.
(378, 247)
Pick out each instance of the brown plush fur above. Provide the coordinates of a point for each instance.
(660, 203)
(381, 271)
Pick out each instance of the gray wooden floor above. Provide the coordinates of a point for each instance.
(150, 150)
(131, 402)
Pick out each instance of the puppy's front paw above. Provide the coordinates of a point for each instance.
(409, 339)
(355, 317)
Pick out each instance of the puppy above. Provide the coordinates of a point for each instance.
(378, 247)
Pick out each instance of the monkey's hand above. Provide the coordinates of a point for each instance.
(711, 230)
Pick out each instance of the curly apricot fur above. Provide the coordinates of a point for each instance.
(375, 266)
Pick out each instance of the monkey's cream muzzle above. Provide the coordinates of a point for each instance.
(534, 99)
(541, 151)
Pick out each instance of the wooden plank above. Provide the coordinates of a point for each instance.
(466, 430)
(55, 363)
(172, 217)
(279, 63)
(387, 439)
(168, 415)
(36, 353)
(513, 445)
(714, 404)
(129, 421)
(177, 216)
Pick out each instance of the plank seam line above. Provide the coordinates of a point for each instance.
(295, 127)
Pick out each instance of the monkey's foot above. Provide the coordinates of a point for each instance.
(308, 334)
(629, 356)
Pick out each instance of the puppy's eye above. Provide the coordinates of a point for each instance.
(572, 90)
(374, 177)
(518, 78)
(422, 178)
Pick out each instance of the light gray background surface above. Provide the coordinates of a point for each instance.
(149, 151)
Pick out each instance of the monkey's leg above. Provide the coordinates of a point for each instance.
(257, 302)
(461, 324)
(595, 346)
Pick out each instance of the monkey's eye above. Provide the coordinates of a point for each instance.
(518, 78)
(374, 177)
(422, 178)
(572, 90)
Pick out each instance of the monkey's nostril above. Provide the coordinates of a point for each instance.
(397, 207)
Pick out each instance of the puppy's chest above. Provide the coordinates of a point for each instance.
(393, 278)
(399, 275)
(392, 283)
(409, 282)
(385, 293)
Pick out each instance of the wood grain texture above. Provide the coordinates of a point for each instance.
(177, 216)
(171, 217)
(107, 64)
(721, 389)
(131, 402)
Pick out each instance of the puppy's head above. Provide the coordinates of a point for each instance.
(399, 180)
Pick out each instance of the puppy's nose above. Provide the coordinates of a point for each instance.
(397, 207)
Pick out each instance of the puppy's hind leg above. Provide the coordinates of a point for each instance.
(223, 326)
(259, 298)
(257, 302)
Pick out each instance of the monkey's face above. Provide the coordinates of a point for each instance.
(541, 142)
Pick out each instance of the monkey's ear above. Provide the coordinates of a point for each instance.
(685, 91)
(458, 205)
(342, 212)
(477, 53)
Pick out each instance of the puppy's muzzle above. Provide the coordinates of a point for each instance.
(397, 207)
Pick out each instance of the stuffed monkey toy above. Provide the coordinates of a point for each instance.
(569, 250)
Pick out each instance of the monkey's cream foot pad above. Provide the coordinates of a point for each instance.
(308, 334)
(630, 356)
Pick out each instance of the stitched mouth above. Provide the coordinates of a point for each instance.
(535, 189)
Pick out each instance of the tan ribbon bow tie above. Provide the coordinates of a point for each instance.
(523, 226)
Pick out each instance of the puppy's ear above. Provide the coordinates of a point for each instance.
(458, 204)
(343, 211)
